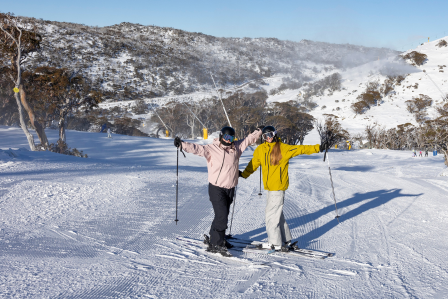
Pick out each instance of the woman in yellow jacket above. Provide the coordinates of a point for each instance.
(273, 156)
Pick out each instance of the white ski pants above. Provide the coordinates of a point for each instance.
(276, 226)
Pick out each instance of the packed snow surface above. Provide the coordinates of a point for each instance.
(103, 227)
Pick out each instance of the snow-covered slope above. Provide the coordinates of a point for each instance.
(428, 79)
(431, 80)
(128, 61)
(103, 227)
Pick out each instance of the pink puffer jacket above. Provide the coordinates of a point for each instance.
(222, 161)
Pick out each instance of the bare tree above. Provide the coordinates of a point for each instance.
(11, 40)
(330, 131)
(64, 91)
(17, 43)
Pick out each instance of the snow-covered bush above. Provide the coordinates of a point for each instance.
(418, 106)
(62, 148)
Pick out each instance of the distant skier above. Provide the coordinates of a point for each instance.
(109, 135)
(222, 163)
(421, 154)
(103, 128)
(426, 152)
(414, 153)
(274, 156)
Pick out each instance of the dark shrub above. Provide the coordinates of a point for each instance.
(417, 58)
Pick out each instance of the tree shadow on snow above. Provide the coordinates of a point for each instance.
(371, 200)
(361, 168)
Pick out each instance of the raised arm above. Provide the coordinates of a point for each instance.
(251, 138)
(193, 148)
(295, 150)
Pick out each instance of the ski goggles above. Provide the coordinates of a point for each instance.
(269, 135)
(228, 137)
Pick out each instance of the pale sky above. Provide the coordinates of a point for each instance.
(400, 25)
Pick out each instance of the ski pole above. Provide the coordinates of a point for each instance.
(233, 211)
(331, 180)
(260, 194)
(177, 181)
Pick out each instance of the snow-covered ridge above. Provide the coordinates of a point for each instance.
(133, 60)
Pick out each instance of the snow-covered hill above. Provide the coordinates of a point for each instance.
(103, 227)
(157, 64)
(132, 60)
(428, 79)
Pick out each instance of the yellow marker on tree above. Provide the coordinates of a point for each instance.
(205, 133)
(16, 90)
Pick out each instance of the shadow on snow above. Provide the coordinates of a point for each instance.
(369, 200)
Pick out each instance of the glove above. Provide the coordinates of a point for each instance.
(240, 174)
(322, 147)
(260, 127)
(177, 142)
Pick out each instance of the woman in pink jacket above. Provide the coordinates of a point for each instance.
(222, 157)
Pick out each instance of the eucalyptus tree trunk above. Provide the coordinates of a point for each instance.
(40, 131)
(21, 100)
(61, 126)
(28, 135)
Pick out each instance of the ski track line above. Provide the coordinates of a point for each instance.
(423, 257)
(248, 279)
(183, 259)
(223, 260)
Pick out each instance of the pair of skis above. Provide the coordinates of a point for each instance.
(255, 247)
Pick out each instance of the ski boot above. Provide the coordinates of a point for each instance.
(286, 247)
(206, 240)
(219, 249)
(270, 246)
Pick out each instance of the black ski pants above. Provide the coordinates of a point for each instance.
(221, 199)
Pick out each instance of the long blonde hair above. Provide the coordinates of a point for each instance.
(276, 154)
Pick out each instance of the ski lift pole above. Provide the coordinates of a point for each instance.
(216, 89)
(166, 127)
(444, 97)
(204, 129)
(194, 114)
(331, 180)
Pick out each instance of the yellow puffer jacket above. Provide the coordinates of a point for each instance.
(275, 178)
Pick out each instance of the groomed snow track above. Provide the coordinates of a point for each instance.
(103, 227)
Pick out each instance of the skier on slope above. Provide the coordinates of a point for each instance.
(109, 135)
(222, 163)
(273, 156)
